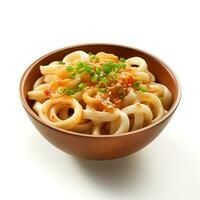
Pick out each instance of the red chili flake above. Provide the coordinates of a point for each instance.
(47, 92)
(130, 80)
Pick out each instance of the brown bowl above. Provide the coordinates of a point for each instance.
(105, 146)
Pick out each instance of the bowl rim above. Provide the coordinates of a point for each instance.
(37, 118)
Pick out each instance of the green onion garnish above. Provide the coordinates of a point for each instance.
(60, 90)
(111, 66)
(98, 70)
(161, 98)
(69, 91)
(69, 68)
(61, 63)
(103, 79)
(88, 69)
(112, 76)
(84, 67)
(136, 84)
(81, 86)
(90, 54)
(107, 69)
(122, 59)
(73, 75)
(94, 78)
(143, 89)
(102, 90)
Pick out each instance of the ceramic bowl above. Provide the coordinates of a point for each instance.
(105, 146)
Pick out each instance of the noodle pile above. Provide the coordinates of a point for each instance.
(99, 94)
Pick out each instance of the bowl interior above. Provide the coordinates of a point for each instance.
(162, 73)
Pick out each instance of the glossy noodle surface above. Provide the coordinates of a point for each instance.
(99, 94)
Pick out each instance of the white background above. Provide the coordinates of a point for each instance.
(167, 169)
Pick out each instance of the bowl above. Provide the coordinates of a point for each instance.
(101, 147)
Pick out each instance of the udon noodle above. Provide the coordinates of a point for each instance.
(99, 94)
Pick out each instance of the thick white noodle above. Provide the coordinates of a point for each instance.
(78, 95)
(38, 82)
(48, 116)
(98, 116)
(41, 87)
(167, 98)
(130, 98)
(59, 112)
(50, 77)
(76, 57)
(163, 92)
(37, 95)
(142, 114)
(154, 103)
(142, 65)
(114, 126)
(138, 109)
(37, 106)
(123, 123)
(85, 127)
(89, 97)
(97, 129)
(144, 77)
(152, 77)
(53, 68)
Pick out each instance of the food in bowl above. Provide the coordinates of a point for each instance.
(99, 94)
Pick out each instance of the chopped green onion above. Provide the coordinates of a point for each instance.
(93, 57)
(102, 90)
(107, 69)
(69, 91)
(139, 78)
(73, 75)
(69, 68)
(161, 98)
(60, 90)
(98, 70)
(103, 79)
(112, 75)
(122, 65)
(61, 63)
(80, 67)
(111, 66)
(96, 59)
(90, 54)
(143, 89)
(116, 70)
(89, 70)
(81, 86)
(94, 78)
(122, 59)
(84, 67)
(136, 84)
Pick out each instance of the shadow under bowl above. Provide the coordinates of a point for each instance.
(105, 146)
